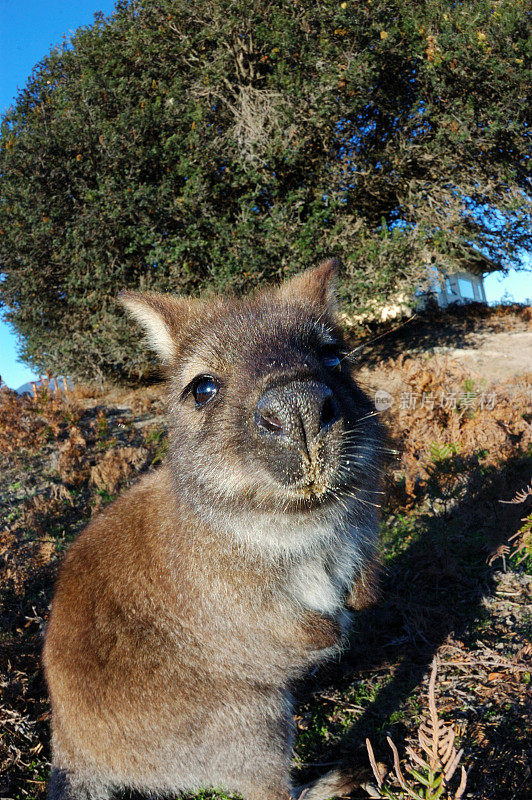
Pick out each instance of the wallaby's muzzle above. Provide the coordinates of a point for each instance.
(300, 425)
(297, 413)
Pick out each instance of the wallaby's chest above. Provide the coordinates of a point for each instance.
(320, 582)
(315, 570)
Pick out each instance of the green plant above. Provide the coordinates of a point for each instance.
(158, 436)
(443, 451)
(106, 496)
(521, 541)
(102, 425)
(160, 453)
(155, 435)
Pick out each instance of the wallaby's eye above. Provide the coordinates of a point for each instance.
(331, 357)
(204, 388)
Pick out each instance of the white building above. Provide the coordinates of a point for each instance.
(459, 287)
(441, 289)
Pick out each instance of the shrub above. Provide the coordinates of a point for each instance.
(192, 146)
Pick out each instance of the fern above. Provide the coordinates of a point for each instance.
(428, 772)
(522, 540)
(443, 451)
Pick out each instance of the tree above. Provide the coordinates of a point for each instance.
(187, 145)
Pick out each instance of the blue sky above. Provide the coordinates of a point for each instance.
(28, 29)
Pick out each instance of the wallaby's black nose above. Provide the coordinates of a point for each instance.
(297, 411)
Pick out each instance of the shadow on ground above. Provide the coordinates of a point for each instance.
(434, 589)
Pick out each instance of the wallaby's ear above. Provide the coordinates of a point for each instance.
(164, 318)
(317, 285)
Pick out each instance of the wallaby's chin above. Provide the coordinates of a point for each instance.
(321, 493)
(315, 496)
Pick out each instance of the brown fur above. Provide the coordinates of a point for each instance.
(183, 613)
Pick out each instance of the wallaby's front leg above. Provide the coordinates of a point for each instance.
(365, 589)
(320, 631)
(332, 784)
(313, 631)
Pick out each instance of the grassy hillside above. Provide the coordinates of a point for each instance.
(456, 580)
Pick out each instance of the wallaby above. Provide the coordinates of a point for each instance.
(185, 611)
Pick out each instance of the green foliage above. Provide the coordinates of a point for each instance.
(191, 146)
(443, 451)
(159, 437)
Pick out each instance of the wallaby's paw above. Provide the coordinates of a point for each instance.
(336, 783)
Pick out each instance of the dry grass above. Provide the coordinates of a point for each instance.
(27, 421)
(442, 415)
(431, 765)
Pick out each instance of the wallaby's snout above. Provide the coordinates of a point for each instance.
(297, 412)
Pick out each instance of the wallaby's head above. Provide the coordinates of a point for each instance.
(264, 413)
